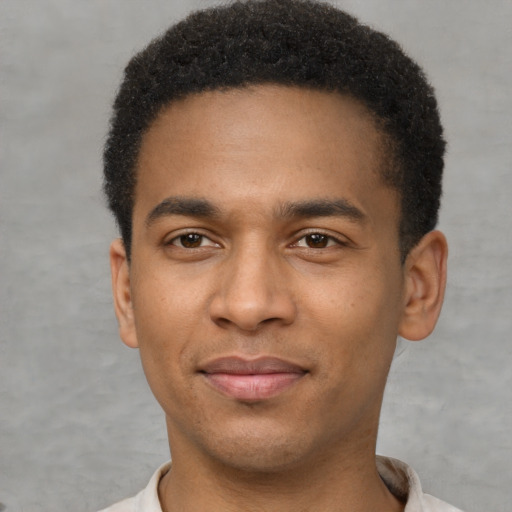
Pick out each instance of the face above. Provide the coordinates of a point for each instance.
(265, 289)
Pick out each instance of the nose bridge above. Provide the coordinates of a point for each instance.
(251, 270)
(252, 290)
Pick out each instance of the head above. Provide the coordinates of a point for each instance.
(274, 168)
(295, 43)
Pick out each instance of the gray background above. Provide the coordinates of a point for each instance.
(79, 428)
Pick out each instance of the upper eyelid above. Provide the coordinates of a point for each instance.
(187, 231)
(332, 240)
(295, 237)
(338, 237)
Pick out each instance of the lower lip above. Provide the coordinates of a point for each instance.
(252, 387)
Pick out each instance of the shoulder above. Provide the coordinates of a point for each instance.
(147, 499)
(431, 504)
(127, 505)
(405, 484)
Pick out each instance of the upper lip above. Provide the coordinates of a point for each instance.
(241, 366)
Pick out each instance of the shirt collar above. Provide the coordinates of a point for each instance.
(402, 481)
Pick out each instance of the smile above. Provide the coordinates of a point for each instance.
(252, 380)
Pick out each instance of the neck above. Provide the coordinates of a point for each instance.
(347, 482)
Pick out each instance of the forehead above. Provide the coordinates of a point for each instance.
(265, 142)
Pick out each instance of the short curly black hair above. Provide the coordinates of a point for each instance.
(295, 43)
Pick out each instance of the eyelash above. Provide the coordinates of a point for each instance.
(330, 240)
(180, 238)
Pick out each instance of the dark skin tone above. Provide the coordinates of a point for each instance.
(263, 232)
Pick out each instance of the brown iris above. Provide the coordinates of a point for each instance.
(191, 240)
(317, 241)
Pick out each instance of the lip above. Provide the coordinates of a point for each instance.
(251, 379)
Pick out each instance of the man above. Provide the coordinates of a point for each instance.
(275, 171)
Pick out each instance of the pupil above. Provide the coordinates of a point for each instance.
(316, 241)
(191, 240)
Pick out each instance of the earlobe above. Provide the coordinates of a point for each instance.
(121, 291)
(425, 281)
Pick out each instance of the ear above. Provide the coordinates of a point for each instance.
(425, 281)
(121, 291)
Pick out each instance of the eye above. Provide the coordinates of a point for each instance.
(192, 241)
(317, 241)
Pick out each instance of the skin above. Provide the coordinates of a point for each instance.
(249, 175)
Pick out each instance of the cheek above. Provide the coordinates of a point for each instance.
(357, 316)
(164, 333)
(166, 318)
(171, 317)
(166, 303)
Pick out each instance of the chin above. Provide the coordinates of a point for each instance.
(262, 459)
(258, 450)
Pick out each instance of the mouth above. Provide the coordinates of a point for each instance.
(251, 379)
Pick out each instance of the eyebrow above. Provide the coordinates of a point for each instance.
(202, 208)
(322, 208)
(190, 207)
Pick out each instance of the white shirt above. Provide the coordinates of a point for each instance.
(400, 479)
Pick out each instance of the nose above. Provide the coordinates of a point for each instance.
(253, 291)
